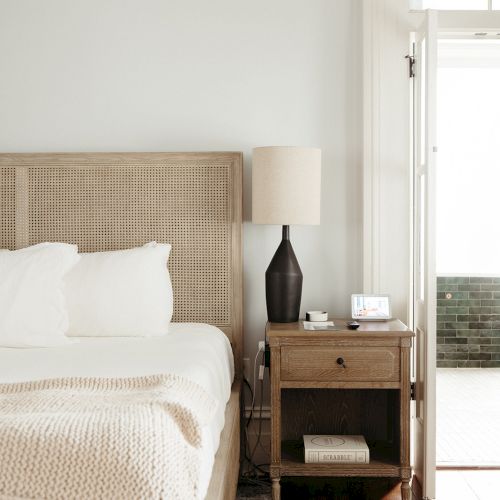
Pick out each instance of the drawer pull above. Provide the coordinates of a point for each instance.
(340, 361)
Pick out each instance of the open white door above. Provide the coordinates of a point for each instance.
(442, 24)
(425, 150)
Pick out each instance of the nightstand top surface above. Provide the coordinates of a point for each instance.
(393, 327)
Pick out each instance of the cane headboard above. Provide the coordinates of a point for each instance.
(113, 201)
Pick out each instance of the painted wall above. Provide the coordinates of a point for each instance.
(172, 75)
(386, 119)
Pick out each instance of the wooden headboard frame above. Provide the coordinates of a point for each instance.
(111, 201)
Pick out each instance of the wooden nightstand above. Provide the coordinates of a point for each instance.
(341, 382)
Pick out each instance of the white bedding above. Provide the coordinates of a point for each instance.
(199, 352)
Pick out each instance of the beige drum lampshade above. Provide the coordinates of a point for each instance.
(286, 185)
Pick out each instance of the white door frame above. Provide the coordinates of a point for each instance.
(387, 189)
(424, 262)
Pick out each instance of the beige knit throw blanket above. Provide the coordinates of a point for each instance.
(99, 438)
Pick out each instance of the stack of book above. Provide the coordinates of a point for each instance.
(336, 449)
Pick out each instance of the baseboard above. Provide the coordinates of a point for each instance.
(416, 489)
(266, 412)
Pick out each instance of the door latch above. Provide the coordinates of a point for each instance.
(411, 65)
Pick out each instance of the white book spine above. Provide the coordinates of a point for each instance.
(337, 457)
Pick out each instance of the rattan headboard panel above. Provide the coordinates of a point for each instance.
(115, 201)
(8, 208)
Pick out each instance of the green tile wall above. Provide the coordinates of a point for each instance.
(468, 322)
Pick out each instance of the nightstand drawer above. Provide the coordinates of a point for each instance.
(340, 363)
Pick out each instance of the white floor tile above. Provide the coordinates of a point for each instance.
(468, 416)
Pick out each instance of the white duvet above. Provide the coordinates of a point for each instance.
(198, 352)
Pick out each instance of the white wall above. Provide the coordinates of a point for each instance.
(170, 75)
(468, 174)
(387, 168)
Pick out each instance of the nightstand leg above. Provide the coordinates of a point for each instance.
(405, 490)
(276, 488)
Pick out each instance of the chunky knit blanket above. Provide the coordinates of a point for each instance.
(98, 438)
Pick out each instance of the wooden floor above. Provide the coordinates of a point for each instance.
(468, 417)
(336, 490)
(450, 485)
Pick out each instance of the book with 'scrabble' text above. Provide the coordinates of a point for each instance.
(336, 449)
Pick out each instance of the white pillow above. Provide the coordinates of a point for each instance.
(32, 304)
(125, 293)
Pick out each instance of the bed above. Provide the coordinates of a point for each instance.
(116, 201)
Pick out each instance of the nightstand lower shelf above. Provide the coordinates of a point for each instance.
(375, 468)
(292, 464)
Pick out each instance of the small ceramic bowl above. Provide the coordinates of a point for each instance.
(316, 316)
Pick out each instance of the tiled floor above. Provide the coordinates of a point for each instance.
(468, 417)
(468, 485)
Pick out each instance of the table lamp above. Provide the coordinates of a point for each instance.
(286, 188)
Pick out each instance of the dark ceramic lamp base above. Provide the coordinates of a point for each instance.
(283, 283)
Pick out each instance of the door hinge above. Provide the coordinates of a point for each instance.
(412, 391)
(411, 65)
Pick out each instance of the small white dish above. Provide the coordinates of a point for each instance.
(316, 316)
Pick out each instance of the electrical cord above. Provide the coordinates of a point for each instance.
(259, 433)
(266, 482)
(245, 458)
(254, 374)
(254, 470)
(251, 468)
(260, 426)
(251, 395)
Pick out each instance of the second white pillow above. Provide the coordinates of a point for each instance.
(124, 293)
